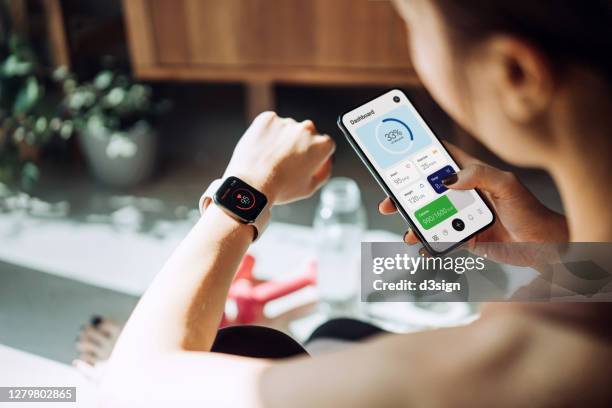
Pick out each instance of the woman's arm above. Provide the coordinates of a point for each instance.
(182, 308)
(482, 364)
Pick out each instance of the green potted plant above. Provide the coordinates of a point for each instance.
(113, 116)
(28, 115)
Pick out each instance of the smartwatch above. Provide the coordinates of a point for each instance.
(240, 201)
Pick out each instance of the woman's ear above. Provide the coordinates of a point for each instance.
(523, 76)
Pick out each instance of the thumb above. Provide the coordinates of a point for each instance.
(498, 183)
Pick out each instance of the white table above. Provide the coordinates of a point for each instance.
(125, 260)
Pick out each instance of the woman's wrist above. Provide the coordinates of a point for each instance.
(217, 224)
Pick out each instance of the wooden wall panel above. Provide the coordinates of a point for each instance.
(171, 38)
(214, 28)
(360, 33)
(325, 33)
(141, 43)
(334, 41)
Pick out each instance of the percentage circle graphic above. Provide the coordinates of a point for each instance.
(394, 136)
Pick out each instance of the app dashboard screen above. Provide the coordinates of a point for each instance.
(413, 163)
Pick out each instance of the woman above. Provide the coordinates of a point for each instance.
(531, 80)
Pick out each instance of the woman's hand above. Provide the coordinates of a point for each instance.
(520, 216)
(284, 159)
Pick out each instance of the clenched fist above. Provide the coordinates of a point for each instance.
(284, 159)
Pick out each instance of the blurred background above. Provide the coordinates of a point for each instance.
(117, 114)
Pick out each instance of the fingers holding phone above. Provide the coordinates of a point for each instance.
(410, 163)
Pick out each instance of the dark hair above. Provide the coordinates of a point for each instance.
(566, 31)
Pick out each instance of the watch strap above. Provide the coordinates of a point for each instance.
(260, 223)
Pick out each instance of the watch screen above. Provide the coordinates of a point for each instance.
(241, 199)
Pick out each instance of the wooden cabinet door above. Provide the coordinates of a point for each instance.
(308, 41)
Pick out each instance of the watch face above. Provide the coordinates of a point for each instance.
(240, 199)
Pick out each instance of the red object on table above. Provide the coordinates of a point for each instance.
(251, 295)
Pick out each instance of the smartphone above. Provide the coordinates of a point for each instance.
(409, 162)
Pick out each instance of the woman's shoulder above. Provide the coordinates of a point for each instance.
(504, 359)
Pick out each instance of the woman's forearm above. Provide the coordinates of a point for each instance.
(183, 306)
(181, 310)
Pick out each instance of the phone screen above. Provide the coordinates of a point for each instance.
(410, 163)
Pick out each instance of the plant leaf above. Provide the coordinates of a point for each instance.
(27, 96)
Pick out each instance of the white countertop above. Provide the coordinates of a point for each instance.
(125, 260)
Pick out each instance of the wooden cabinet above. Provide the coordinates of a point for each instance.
(262, 42)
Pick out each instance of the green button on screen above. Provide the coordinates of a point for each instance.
(435, 212)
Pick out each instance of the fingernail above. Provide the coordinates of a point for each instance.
(450, 180)
(96, 320)
(423, 252)
(406, 236)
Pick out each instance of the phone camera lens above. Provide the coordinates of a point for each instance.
(396, 99)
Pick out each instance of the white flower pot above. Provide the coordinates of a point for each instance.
(121, 159)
